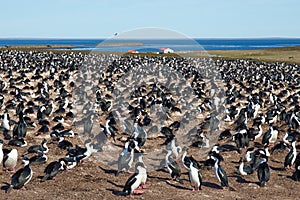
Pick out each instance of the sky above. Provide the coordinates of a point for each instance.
(193, 18)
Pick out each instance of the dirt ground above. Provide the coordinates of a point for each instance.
(96, 180)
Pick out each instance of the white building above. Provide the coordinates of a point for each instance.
(166, 50)
(132, 51)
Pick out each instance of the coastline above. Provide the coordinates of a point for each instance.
(97, 178)
(280, 54)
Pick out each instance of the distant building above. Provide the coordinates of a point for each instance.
(152, 50)
(166, 50)
(132, 51)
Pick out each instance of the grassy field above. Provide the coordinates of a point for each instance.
(284, 54)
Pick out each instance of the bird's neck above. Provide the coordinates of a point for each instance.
(168, 154)
(26, 163)
(44, 145)
(90, 150)
(293, 146)
(5, 116)
(217, 163)
(184, 154)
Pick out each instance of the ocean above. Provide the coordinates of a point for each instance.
(146, 45)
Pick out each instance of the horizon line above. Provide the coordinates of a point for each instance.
(90, 38)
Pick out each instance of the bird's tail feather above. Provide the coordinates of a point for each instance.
(45, 177)
(262, 184)
(9, 189)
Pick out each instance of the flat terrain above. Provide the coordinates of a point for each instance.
(285, 54)
(282, 54)
(95, 180)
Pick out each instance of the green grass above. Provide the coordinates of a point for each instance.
(284, 54)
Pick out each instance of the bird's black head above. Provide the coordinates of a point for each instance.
(218, 156)
(139, 164)
(264, 156)
(25, 159)
(79, 157)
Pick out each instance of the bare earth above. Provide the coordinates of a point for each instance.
(94, 180)
(97, 181)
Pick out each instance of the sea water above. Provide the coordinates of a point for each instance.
(149, 45)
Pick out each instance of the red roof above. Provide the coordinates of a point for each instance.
(132, 51)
